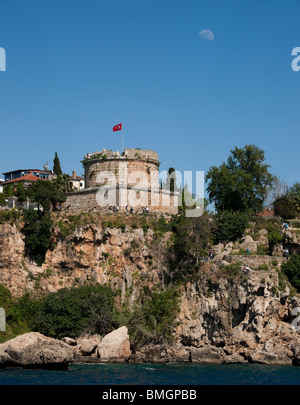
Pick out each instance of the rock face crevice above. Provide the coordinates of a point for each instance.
(222, 319)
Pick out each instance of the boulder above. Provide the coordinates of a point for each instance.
(217, 249)
(234, 358)
(115, 346)
(87, 344)
(34, 350)
(264, 357)
(69, 341)
(5, 360)
(210, 354)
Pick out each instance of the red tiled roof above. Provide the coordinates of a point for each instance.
(266, 213)
(27, 177)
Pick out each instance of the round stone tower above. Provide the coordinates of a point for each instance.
(129, 168)
(129, 181)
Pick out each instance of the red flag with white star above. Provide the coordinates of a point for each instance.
(117, 127)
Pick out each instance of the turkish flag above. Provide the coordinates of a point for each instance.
(117, 127)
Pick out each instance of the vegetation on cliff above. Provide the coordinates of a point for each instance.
(176, 252)
(71, 312)
(242, 183)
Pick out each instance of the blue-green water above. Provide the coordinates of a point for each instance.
(156, 374)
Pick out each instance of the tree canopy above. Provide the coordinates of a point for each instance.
(46, 194)
(56, 165)
(242, 183)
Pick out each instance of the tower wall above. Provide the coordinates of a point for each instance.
(127, 180)
(125, 168)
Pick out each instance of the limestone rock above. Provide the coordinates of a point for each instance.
(234, 358)
(217, 249)
(36, 350)
(209, 354)
(87, 344)
(115, 346)
(50, 354)
(69, 341)
(264, 357)
(5, 360)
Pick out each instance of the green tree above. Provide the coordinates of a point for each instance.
(63, 183)
(192, 239)
(56, 165)
(20, 192)
(71, 312)
(230, 225)
(46, 194)
(2, 199)
(154, 320)
(292, 270)
(286, 207)
(242, 183)
(171, 180)
(37, 232)
(295, 189)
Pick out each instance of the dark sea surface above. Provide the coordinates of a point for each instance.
(155, 374)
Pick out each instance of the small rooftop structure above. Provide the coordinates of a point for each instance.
(77, 181)
(267, 212)
(26, 180)
(16, 174)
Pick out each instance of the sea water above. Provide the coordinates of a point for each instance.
(155, 374)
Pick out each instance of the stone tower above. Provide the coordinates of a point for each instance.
(134, 160)
(130, 179)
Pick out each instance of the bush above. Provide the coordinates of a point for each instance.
(263, 266)
(291, 269)
(154, 320)
(18, 313)
(71, 312)
(10, 216)
(232, 271)
(231, 225)
(162, 225)
(286, 207)
(37, 231)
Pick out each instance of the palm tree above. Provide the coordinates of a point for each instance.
(63, 183)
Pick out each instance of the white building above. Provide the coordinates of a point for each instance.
(77, 181)
(1, 185)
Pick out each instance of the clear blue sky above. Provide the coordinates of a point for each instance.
(77, 68)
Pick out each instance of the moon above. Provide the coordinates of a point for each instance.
(207, 35)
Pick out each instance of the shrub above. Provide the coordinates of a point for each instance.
(154, 320)
(286, 207)
(291, 269)
(263, 266)
(232, 271)
(262, 250)
(37, 231)
(19, 312)
(231, 225)
(70, 312)
(162, 225)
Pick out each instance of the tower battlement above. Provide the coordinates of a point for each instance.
(134, 160)
(135, 175)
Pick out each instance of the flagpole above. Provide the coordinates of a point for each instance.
(122, 143)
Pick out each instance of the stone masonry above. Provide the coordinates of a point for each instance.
(128, 180)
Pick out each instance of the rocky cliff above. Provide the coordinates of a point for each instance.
(225, 316)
